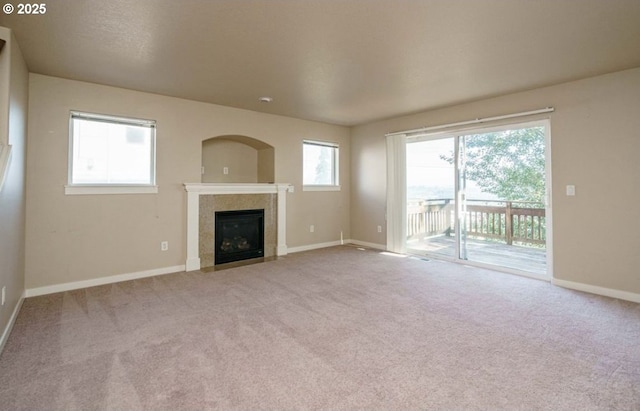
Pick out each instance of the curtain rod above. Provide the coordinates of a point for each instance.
(476, 121)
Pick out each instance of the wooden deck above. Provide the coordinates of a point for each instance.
(529, 259)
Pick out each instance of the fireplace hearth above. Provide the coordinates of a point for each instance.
(239, 235)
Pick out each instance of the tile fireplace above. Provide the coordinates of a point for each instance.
(204, 200)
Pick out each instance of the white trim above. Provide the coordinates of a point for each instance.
(594, 289)
(470, 122)
(483, 129)
(195, 190)
(281, 222)
(320, 188)
(192, 264)
(5, 156)
(315, 246)
(111, 189)
(12, 321)
(330, 144)
(458, 210)
(396, 212)
(375, 246)
(193, 230)
(548, 212)
(107, 118)
(75, 285)
(335, 171)
(236, 188)
(117, 120)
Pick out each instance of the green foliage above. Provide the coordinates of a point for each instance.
(509, 164)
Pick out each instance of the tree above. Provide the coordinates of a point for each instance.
(509, 164)
(323, 167)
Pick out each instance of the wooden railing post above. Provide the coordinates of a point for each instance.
(508, 223)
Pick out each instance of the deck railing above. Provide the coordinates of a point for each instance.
(508, 221)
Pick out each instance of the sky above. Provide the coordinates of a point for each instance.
(425, 169)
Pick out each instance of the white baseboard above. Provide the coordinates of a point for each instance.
(335, 243)
(12, 320)
(375, 246)
(57, 288)
(316, 246)
(593, 289)
(192, 264)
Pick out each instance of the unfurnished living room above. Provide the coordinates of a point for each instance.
(305, 204)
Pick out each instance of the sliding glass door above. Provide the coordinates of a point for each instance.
(480, 196)
(431, 196)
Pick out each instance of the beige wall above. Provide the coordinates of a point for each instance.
(13, 130)
(240, 159)
(247, 160)
(80, 237)
(595, 145)
(266, 165)
(5, 62)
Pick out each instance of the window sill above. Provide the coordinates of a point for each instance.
(320, 188)
(83, 190)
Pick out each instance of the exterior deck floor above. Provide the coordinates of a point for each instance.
(522, 258)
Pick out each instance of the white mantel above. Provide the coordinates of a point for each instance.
(195, 190)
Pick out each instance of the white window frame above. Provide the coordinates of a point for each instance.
(336, 167)
(107, 188)
(5, 157)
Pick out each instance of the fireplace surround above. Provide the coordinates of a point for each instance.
(204, 199)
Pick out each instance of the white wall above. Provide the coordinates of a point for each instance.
(595, 145)
(74, 238)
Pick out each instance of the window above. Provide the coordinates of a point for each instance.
(320, 161)
(5, 155)
(111, 155)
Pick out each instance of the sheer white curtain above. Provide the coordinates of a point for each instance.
(396, 193)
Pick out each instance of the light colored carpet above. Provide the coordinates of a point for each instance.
(336, 329)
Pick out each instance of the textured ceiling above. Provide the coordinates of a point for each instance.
(338, 61)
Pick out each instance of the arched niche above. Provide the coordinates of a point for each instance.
(237, 159)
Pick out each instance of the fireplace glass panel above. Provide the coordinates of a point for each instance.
(239, 235)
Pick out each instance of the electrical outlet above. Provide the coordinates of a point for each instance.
(164, 246)
(379, 228)
(225, 170)
(312, 229)
(4, 293)
(571, 190)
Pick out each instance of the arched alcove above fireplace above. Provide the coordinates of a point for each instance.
(237, 159)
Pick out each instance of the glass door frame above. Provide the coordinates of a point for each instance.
(397, 201)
